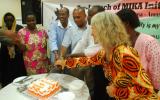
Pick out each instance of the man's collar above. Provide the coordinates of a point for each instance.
(68, 26)
(84, 28)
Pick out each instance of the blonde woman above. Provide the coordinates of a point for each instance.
(120, 61)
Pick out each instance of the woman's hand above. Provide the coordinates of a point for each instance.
(60, 63)
(17, 41)
(110, 90)
(20, 44)
(10, 34)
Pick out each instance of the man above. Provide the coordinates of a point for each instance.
(84, 46)
(87, 47)
(71, 39)
(58, 30)
(73, 35)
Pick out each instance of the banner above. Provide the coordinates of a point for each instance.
(147, 10)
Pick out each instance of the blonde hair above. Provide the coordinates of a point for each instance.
(110, 31)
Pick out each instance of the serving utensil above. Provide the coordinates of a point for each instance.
(53, 69)
(27, 78)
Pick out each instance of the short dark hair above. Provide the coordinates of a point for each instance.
(99, 8)
(129, 16)
(30, 13)
(79, 8)
(67, 10)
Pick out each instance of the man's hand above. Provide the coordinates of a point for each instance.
(56, 56)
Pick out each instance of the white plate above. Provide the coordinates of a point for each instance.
(15, 81)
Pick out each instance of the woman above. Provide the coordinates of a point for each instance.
(34, 44)
(11, 58)
(148, 47)
(120, 61)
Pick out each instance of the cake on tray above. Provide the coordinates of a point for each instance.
(43, 88)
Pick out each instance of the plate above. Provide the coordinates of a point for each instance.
(16, 81)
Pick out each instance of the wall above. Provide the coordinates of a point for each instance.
(13, 6)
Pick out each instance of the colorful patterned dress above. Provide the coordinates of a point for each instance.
(125, 72)
(35, 57)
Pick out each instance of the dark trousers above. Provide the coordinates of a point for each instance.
(100, 84)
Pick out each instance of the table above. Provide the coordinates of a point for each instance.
(10, 92)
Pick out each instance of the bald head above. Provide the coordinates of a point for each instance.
(79, 9)
(79, 17)
(94, 10)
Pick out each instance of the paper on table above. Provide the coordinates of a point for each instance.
(66, 96)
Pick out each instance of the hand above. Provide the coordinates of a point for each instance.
(10, 34)
(68, 56)
(16, 40)
(60, 63)
(56, 56)
(110, 90)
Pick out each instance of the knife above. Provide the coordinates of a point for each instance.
(22, 80)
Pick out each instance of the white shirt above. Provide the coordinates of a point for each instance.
(72, 36)
(56, 35)
(92, 50)
(86, 45)
(85, 41)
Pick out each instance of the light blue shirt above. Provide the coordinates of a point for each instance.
(86, 41)
(72, 36)
(56, 35)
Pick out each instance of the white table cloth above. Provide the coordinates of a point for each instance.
(10, 92)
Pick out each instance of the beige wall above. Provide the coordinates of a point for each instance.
(13, 6)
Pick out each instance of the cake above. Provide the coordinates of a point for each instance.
(43, 88)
